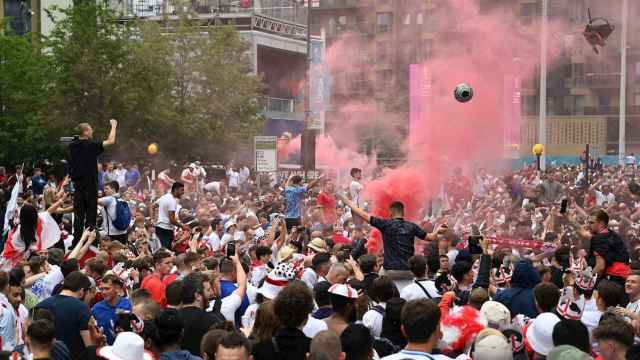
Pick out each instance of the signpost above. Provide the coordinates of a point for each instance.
(266, 150)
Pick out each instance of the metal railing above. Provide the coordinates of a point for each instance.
(272, 104)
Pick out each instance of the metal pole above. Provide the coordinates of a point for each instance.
(307, 97)
(542, 123)
(623, 84)
(586, 166)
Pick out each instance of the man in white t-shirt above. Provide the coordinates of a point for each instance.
(632, 288)
(234, 180)
(421, 287)
(188, 178)
(420, 323)
(167, 215)
(232, 302)
(108, 210)
(355, 187)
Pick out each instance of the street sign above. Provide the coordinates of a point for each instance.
(266, 148)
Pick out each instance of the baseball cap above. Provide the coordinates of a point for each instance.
(492, 345)
(496, 314)
(567, 352)
(540, 333)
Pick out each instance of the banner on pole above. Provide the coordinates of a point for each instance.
(266, 148)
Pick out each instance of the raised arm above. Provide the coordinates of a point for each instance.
(363, 214)
(112, 134)
(53, 208)
(315, 182)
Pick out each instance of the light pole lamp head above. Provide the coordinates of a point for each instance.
(538, 149)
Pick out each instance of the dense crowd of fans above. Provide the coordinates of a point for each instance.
(184, 265)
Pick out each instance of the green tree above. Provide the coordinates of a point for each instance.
(214, 94)
(25, 135)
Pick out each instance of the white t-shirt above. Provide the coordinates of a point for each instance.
(372, 319)
(229, 306)
(354, 190)
(310, 278)
(213, 186)
(234, 178)
(213, 240)
(166, 204)
(601, 198)
(109, 208)
(313, 327)
(415, 292)
(406, 354)
(244, 174)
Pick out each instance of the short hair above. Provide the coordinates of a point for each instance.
(611, 293)
(326, 342)
(169, 325)
(114, 185)
(262, 251)
(321, 293)
(420, 319)
(160, 255)
(460, 269)
(139, 295)
(68, 266)
(150, 308)
(547, 296)
(42, 332)
(35, 264)
(38, 313)
(192, 285)
(384, 289)
(619, 331)
(368, 263)
(210, 341)
(293, 305)
(418, 265)
(114, 280)
(96, 265)
(76, 281)
(601, 216)
(296, 179)
(177, 185)
(16, 276)
(354, 171)
(478, 297)
(320, 259)
(234, 340)
(397, 207)
(210, 263)
(190, 257)
(357, 342)
(173, 293)
(227, 266)
(82, 127)
(572, 332)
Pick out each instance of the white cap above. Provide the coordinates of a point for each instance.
(128, 346)
(492, 347)
(343, 290)
(539, 334)
(496, 314)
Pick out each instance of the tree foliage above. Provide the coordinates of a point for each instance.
(185, 87)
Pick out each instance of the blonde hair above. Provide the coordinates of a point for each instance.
(82, 127)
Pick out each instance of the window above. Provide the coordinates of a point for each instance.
(383, 51)
(637, 100)
(529, 9)
(604, 100)
(407, 19)
(577, 69)
(578, 106)
(384, 21)
(419, 19)
(423, 50)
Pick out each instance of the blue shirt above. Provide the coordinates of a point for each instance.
(37, 184)
(105, 315)
(294, 196)
(227, 288)
(131, 177)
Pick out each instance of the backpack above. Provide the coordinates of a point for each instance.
(123, 215)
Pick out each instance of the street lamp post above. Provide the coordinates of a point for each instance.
(538, 150)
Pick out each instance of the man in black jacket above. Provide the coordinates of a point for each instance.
(608, 254)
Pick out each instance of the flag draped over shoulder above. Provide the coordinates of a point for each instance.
(47, 234)
(12, 204)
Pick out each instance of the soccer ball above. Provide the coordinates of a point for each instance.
(152, 149)
(463, 93)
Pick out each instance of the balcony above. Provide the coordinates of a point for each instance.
(223, 8)
(354, 28)
(285, 109)
(603, 81)
(342, 4)
(610, 110)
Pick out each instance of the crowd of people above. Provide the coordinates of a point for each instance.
(187, 265)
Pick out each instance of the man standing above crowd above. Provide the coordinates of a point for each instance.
(168, 215)
(398, 236)
(354, 191)
(294, 193)
(84, 174)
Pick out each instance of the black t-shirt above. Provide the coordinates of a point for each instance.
(398, 236)
(71, 316)
(84, 161)
(196, 323)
